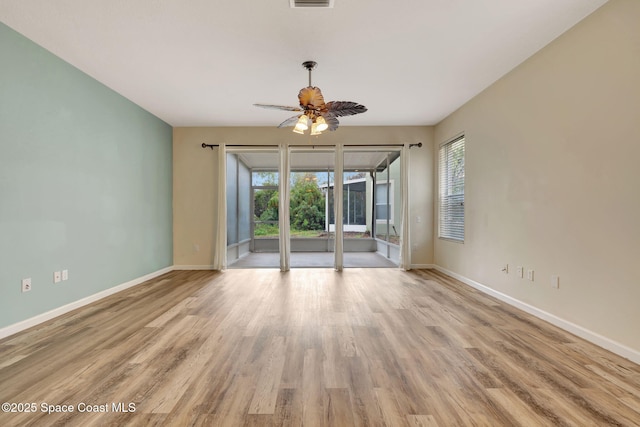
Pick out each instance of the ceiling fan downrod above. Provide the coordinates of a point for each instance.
(309, 65)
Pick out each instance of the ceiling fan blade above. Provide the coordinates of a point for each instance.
(311, 98)
(332, 122)
(344, 108)
(278, 107)
(289, 122)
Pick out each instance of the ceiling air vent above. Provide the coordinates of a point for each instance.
(310, 3)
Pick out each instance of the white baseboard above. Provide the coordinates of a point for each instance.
(423, 266)
(193, 267)
(595, 338)
(40, 318)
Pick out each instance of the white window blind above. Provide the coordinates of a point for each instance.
(452, 190)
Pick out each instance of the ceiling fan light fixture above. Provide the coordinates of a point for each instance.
(302, 124)
(315, 130)
(321, 124)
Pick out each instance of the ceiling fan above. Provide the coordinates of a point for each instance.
(316, 113)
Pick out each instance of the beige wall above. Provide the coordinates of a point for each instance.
(553, 177)
(194, 181)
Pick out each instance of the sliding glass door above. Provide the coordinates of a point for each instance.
(372, 203)
(252, 208)
(315, 207)
(312, 239)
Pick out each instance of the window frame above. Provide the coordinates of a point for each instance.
(390, 203)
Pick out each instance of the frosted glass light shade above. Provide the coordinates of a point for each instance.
(321, 124)
(302, 124)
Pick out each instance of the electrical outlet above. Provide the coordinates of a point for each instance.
(520, 271)
(65, 274)
(26, 285)
(555, 282)
(505, 269)
(530, 275)
(57, 277)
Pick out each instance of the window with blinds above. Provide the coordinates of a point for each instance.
(384, 207)
(451, 173)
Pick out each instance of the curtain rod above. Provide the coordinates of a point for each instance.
(419, 145)
(255, 146)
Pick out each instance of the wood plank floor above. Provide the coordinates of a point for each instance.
(312, 347)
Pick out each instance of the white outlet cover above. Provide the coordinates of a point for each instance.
(57, 276)
(26, 284)
(520, 271)
(555, 282)
(65, 274)
(530, 275)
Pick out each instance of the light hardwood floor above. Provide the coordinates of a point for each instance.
(312, 347)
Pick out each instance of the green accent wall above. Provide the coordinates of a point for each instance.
(85, 183)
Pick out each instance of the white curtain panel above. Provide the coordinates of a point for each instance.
(338, 179)
(405, 243)
(220, 252)
(283, 207)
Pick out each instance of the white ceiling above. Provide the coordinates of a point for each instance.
(205, 62)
